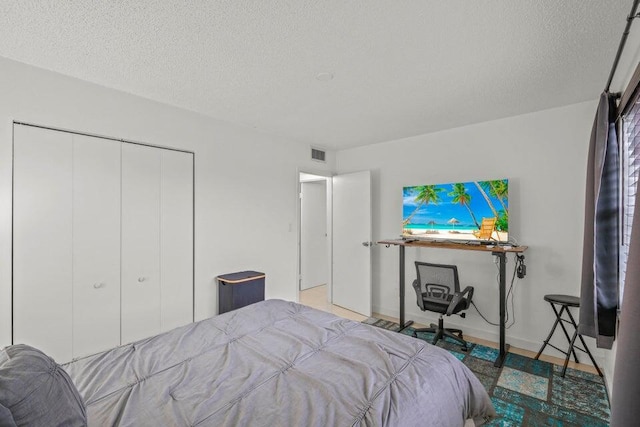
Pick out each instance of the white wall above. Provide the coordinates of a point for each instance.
(245, 182)
(544, 157)
(314, 262)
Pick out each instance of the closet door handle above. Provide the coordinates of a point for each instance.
(99, 285)
(141, 279)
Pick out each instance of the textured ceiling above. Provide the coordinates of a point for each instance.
(401, 68)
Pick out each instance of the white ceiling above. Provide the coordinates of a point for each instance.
(401, 68)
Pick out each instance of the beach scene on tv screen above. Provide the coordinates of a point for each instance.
(468, 211)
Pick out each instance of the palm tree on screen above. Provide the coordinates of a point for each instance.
(499, 189)
(486, 198)
(461, 196)
(426, 194)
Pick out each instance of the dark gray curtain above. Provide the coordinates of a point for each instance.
(625, 402)
(599, 288)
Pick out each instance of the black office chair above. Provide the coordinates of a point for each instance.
(438, 290)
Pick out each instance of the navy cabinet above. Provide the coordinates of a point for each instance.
(239, 289)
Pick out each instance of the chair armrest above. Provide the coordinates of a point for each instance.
(457, 297)
(419, 301)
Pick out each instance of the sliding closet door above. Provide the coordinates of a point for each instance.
(96, 244)
(42, 240)
(102, 241)
(140, 242)
(176, 235)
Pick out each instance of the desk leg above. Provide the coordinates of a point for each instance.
(402, 286)
(504, 348)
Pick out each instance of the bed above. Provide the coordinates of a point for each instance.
(278, 363)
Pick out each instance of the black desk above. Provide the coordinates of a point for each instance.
(498, 251)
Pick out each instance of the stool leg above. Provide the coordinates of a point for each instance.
(546, 341)
(575, 325)
(595, 365)
(566, 360)
(566, 334)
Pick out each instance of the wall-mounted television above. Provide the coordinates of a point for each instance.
(460, 211)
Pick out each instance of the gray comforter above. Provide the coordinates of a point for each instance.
(278, 363)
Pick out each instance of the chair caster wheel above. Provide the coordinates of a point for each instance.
(415, 334)
(465, 349)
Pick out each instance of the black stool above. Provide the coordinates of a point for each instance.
(566, 301)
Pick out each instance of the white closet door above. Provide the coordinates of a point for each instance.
(176, 231)
(140, 242)
(96, 245)
(42, 240)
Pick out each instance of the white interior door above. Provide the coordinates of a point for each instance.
(140, 242)
(96, 244)
(42, 240)
(352, 242)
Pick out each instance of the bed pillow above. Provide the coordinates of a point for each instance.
(37, 391)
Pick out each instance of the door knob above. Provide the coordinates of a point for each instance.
(98, 285)
(141, 279)
(367, 244)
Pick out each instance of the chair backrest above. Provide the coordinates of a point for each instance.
(486, 229)
(438, 280)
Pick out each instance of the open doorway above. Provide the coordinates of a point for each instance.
(314, 242)
(315, 245)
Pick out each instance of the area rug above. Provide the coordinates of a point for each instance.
(528, 392)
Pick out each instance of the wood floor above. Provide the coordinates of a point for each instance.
(317, 298)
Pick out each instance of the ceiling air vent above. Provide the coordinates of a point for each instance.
(318, 155)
